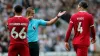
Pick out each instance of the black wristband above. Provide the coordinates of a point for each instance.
(58, 16)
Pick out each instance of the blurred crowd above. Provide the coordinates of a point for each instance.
(51, 37)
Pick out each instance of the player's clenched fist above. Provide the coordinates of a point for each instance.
(67, 46)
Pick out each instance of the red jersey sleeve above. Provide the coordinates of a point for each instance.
(91, 21)
(92, 27)
(70, 26)
(7, 22)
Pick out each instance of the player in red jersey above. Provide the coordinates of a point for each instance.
(83, 23)
(17, 26)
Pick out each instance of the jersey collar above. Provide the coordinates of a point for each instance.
(82, 11)
(17, 16)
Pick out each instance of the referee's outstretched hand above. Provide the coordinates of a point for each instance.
(61, 13)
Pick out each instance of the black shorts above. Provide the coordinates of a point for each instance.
(34, 48)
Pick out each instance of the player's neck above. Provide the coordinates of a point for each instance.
(83, 10)
(18, 15)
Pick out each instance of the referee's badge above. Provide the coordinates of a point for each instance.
(34, 28)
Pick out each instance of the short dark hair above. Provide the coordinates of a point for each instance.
(83, 4)
(18, 9)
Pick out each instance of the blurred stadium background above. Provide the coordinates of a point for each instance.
(51, 37)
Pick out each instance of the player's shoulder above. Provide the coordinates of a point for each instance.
(24, 18)
(74, 15)
(10, 18)
(85, 12)
(89, 15)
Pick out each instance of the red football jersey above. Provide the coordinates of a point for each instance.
(82, 21)
(17, 26)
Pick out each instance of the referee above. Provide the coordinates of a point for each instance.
(33, 26)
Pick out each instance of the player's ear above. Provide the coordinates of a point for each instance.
(79, 6)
